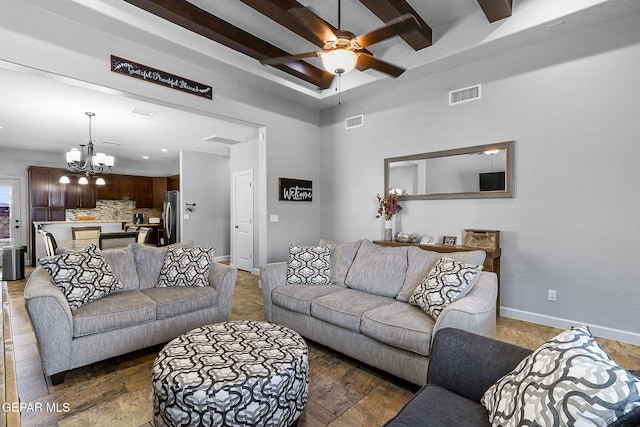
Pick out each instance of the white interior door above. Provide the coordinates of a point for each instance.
(242, 220)
(10, 214)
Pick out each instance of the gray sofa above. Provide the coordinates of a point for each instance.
(137, 316)
(364, 313)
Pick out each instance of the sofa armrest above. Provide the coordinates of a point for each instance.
(468, 364)
(223, 278)
(476, 311)
(271, 276)
(52, 322)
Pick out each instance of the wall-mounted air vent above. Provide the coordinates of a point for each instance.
(354, 122)
(466, 94)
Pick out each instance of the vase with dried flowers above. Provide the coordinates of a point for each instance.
(388, 206)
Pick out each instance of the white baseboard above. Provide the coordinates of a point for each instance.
(221, 258)
(256, 271)
(557, 322)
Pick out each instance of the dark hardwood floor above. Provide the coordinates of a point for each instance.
(117, 392)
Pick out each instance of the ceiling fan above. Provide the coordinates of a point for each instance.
(343, 51)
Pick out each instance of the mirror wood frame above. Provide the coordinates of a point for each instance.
(509, 146)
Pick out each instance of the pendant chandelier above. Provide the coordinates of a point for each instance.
(86, 163)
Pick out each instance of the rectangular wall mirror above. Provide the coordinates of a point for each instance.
(479, 172)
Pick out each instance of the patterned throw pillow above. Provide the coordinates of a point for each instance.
(568, 381)
(82, 276)
(309, 265)
(448, 281)
(186, 267)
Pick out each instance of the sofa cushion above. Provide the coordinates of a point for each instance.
(342, 256)
(447, 282)
(82, 276)
(115, 311)
(420, 263)
(345, 308)
(569, 380)
(309, 265)
(435, 406)
(186, 267)
(298, 298)
(399, 325)
(378, 270)
(123, 265)
(174, 301)
(149, 260)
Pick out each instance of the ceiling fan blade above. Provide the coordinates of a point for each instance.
(369, 61)
(289, 58)
(317, 25)
(400, 25)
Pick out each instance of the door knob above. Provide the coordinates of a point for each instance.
(236, 226)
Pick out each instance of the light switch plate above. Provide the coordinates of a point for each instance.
(273, 218)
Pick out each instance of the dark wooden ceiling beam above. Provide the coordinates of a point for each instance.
(496, 10)
(387, 10)
(276, 10)
(191, 17)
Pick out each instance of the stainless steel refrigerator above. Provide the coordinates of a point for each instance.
(171, 218)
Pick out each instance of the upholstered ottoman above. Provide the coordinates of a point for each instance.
(237, 373)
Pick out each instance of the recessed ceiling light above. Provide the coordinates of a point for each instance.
(145, 157)
(143, 112)
(164, 150)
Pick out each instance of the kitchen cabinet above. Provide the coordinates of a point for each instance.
(80, 196)
(46, 194)
(117, 187)
(143, 190)
(127, 187)
(159, 188)
(173, 182)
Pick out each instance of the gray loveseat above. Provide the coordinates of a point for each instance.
(364, 313)
(137, 316)
(463, 366)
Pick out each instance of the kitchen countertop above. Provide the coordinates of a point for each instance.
(141, 225)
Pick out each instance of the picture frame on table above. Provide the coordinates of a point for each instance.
(449, 240)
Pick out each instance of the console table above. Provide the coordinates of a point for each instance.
(491, 262)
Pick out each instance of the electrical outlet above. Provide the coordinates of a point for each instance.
(552, 295)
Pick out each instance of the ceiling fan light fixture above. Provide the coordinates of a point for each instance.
(339, 61)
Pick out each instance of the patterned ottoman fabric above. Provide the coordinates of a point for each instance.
(239, 373)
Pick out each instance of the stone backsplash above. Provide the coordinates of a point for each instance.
(114, 209)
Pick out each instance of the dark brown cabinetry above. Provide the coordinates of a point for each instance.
(80, 196)
(143, 189)
(159, 188)
(46, 194)
(117, 187)
(173, 182)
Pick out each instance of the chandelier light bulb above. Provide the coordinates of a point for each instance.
(339, 61)
(64, 179)
(83, 180)
(100, 181)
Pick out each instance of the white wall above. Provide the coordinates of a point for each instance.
(571, 106)
(204, 180)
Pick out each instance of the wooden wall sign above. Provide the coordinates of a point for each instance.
(153, 75)
(296, 190)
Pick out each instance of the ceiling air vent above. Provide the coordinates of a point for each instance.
(221, 140)
(354, 122)
(466, 94)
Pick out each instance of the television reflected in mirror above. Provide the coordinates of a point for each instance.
(482, 171)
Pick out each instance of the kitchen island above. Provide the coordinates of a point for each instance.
(61, 230)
